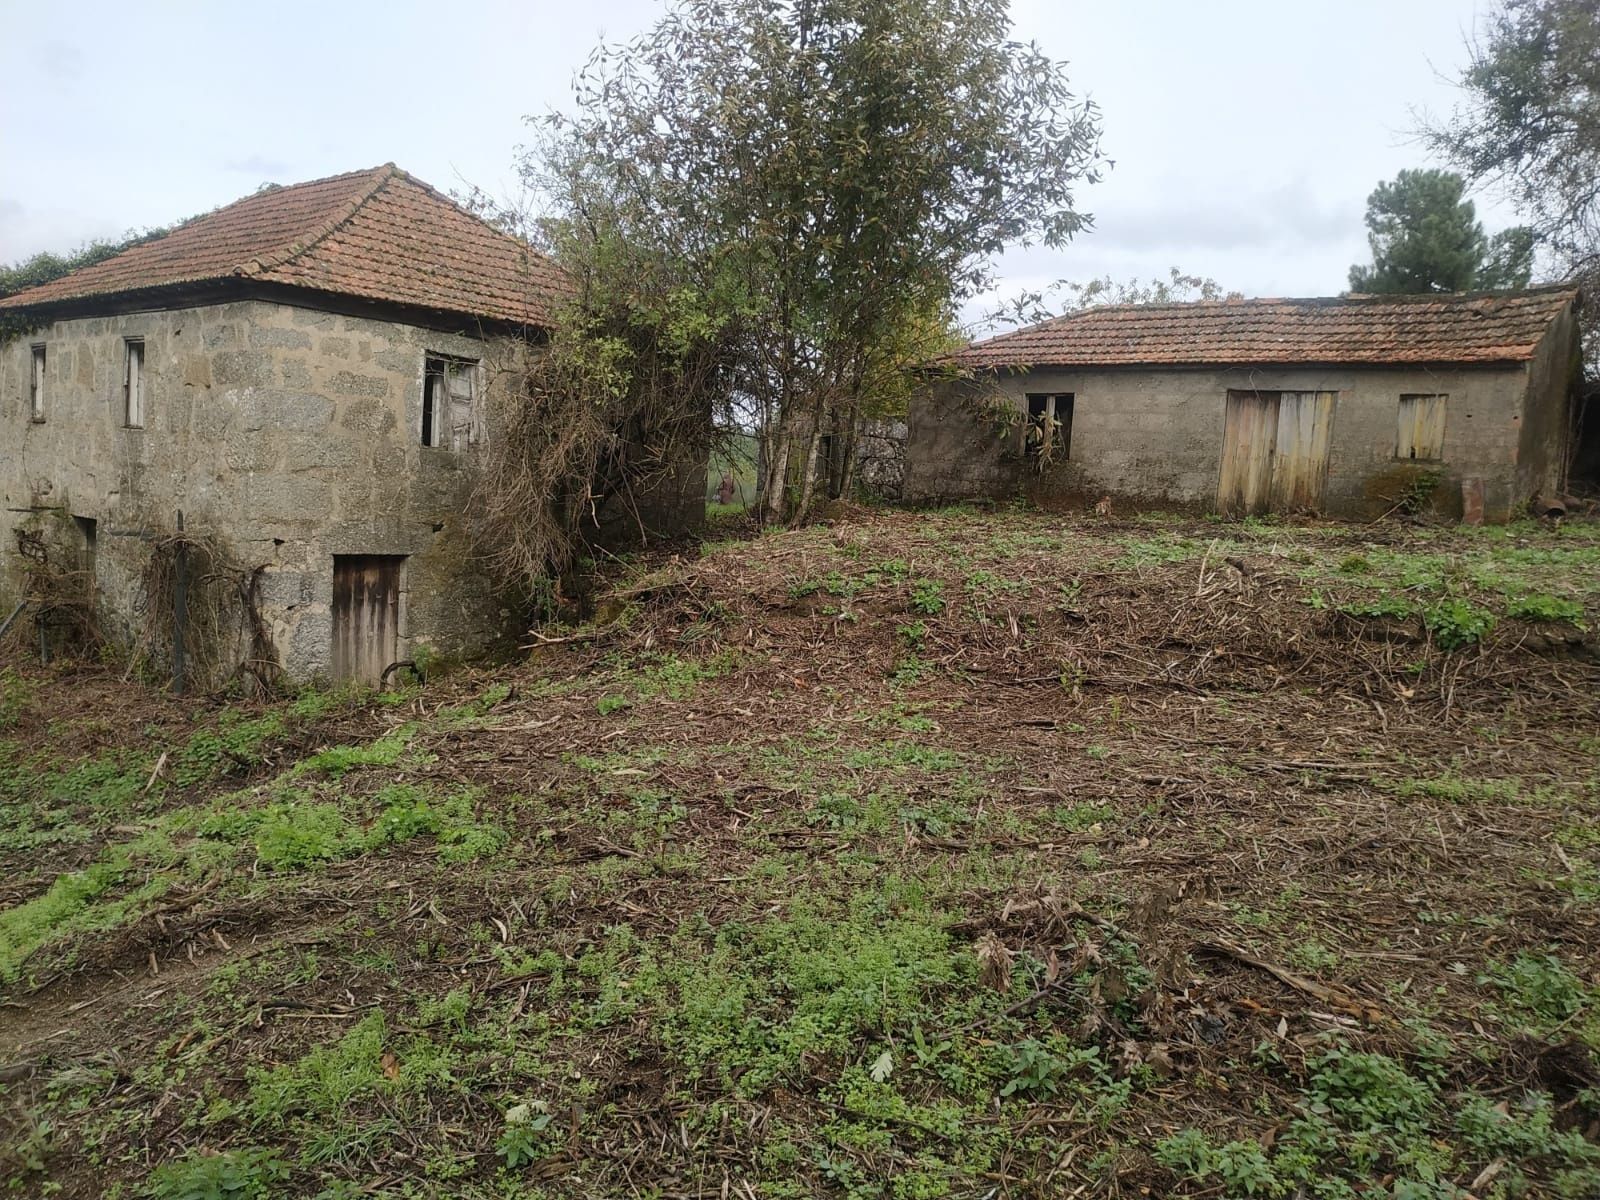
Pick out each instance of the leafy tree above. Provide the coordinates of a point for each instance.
(1530, 125)
(1425, 237)
(45, 266)
(803, 191)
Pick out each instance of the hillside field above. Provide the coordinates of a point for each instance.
(962, 853)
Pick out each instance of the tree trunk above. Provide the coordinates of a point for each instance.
(852, 423)
(808, 484)
(777, 473)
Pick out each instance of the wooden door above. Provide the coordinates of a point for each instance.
(1300, 455)
(1249, 438)
(366, 615)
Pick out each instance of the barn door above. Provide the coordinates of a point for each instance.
(1300, 457)
(366, 615)
(1249, 436)
(1275, 451)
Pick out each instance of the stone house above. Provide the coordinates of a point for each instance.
(304, 375)
(1348, 406)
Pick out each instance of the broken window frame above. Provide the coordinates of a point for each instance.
(1047, 433)
(36, 381)
(133, 383)
(459, 427)
(1408, 416)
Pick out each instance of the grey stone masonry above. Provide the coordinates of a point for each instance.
(288, 434)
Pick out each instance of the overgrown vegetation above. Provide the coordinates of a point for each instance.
(770, 213)
(226, 640)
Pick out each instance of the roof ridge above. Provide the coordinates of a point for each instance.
(1351, 299)
(377, 177)
(446, 198)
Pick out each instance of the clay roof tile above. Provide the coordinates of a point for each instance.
(1349, 330)
(377, 235)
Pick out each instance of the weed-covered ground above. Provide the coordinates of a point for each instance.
(909, 855)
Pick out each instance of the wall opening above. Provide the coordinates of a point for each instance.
(133, 383)
(1420, 435)
(1047, 436)
(449, 401)
(88, 532)
(36, 372)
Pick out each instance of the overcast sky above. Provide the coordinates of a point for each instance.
(1246, 133)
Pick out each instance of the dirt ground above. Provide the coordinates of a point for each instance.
(962, 853)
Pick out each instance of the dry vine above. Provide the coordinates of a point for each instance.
(225, 637)
(61, 597)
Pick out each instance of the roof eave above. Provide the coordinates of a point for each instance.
(1279, 364)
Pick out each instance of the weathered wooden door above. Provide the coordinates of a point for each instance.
(1274, 451)
(1249, 436)
(1300, 458)
(366, 615)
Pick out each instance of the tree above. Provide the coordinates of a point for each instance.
(1425, 237)
(804, 191)
(1530, 125)
(1509, 260)
(1066, 295)
(46, 265)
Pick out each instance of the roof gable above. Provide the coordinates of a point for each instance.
(1349, 330)
(377, 235)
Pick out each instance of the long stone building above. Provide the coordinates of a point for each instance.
(1348, 406)
(304, 374)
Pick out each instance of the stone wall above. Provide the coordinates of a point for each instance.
(290, 435)
(1151, 436)
(881, 458)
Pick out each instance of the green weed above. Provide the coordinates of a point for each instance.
(255, 1173)
(1544, 607)
(1455, 622)
(927, 597)
(16, 695)
(337, 761)
(767, 995)
(293, 836)
(1540, 986)
(367, 1061)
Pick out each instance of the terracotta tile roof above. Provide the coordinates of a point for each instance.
(378, 235)
(1354, 330)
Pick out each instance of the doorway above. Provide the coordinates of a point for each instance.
(1275, 451)
(366, 615)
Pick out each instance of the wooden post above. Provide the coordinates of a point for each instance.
(180, 608)
(6, 624)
